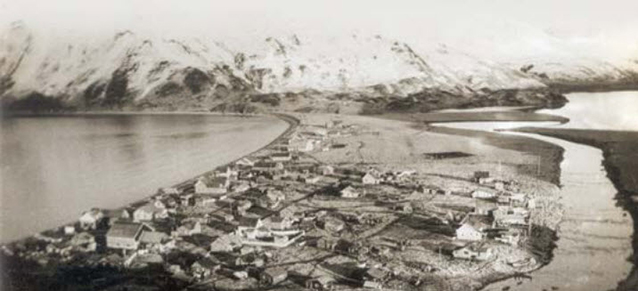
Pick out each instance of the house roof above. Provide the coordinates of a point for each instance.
(214, 182)
(152, 237)
(485, 204)
(478, 222)
(149, 207)
(124, 229)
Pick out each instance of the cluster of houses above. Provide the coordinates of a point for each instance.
(498, 214)
(231, 222)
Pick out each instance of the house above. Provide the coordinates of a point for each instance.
(214, 185)
(511, 216)
(203, 268)
(69, 229)
(312, 180)
(257, 238)
(484, 207)
(511, 236)
(333, 224)
(242, 206)
(245, 162)
(277, 223)
(187, 200)
(324, 282)
(273, 276)
(483, 194)
(91, 218)
(281, 157)
(327, 170)
(149, 212)
(156, 240)
(226, 243)
(472, 227)
(474, 253)
(376, 275)
(188, 228)
(169, 191)
(370, 178)
(125, 235)
(349, 192)
(275, 196)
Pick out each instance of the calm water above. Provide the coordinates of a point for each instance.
(53, 168)
(595, 235)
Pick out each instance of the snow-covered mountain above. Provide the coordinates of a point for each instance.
(135, 70)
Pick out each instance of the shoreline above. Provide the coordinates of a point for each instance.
(292, 124)
(619, 160)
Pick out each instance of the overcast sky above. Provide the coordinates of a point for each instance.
(615, 20)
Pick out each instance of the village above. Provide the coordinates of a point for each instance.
(284, 218)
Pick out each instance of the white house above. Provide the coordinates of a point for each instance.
(350, 192)
(90, 219)
(149, 212)
(468, 232)
(473, 226)
(370, 179)
(473, 253)
(483, 194)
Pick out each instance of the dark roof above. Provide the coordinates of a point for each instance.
(478, 221)
(215, 182)
(124, 229)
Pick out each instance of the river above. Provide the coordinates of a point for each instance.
(53, 168)
(594, 238)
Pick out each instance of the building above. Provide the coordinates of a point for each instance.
(484, 207)
(370, 178)
(149, 212)
(273, 276)
(312, 179)
(156, 240)
(483, 194)
(473, 226)
(245, 162)
(204, 268)
(333, 224)
(281, 157)
(91, 218)
(125, 235)
(277, 223)
(169, 191)
(214, 185)
(349, 192)
(323, 282)
(188, 229)
(474, 253)
(326, 170)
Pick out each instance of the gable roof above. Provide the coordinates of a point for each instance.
(124, 229)
(152, 237)
(478, 222)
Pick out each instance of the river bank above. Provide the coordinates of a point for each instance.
(620, 162)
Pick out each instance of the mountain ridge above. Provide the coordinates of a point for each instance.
(354, 74)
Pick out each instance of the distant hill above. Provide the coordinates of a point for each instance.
(349, 73)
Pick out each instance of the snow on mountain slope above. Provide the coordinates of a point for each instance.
(68, 65)
(134, 68)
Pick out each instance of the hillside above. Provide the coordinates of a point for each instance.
(352, 73)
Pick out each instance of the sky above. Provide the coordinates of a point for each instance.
(609, 22)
